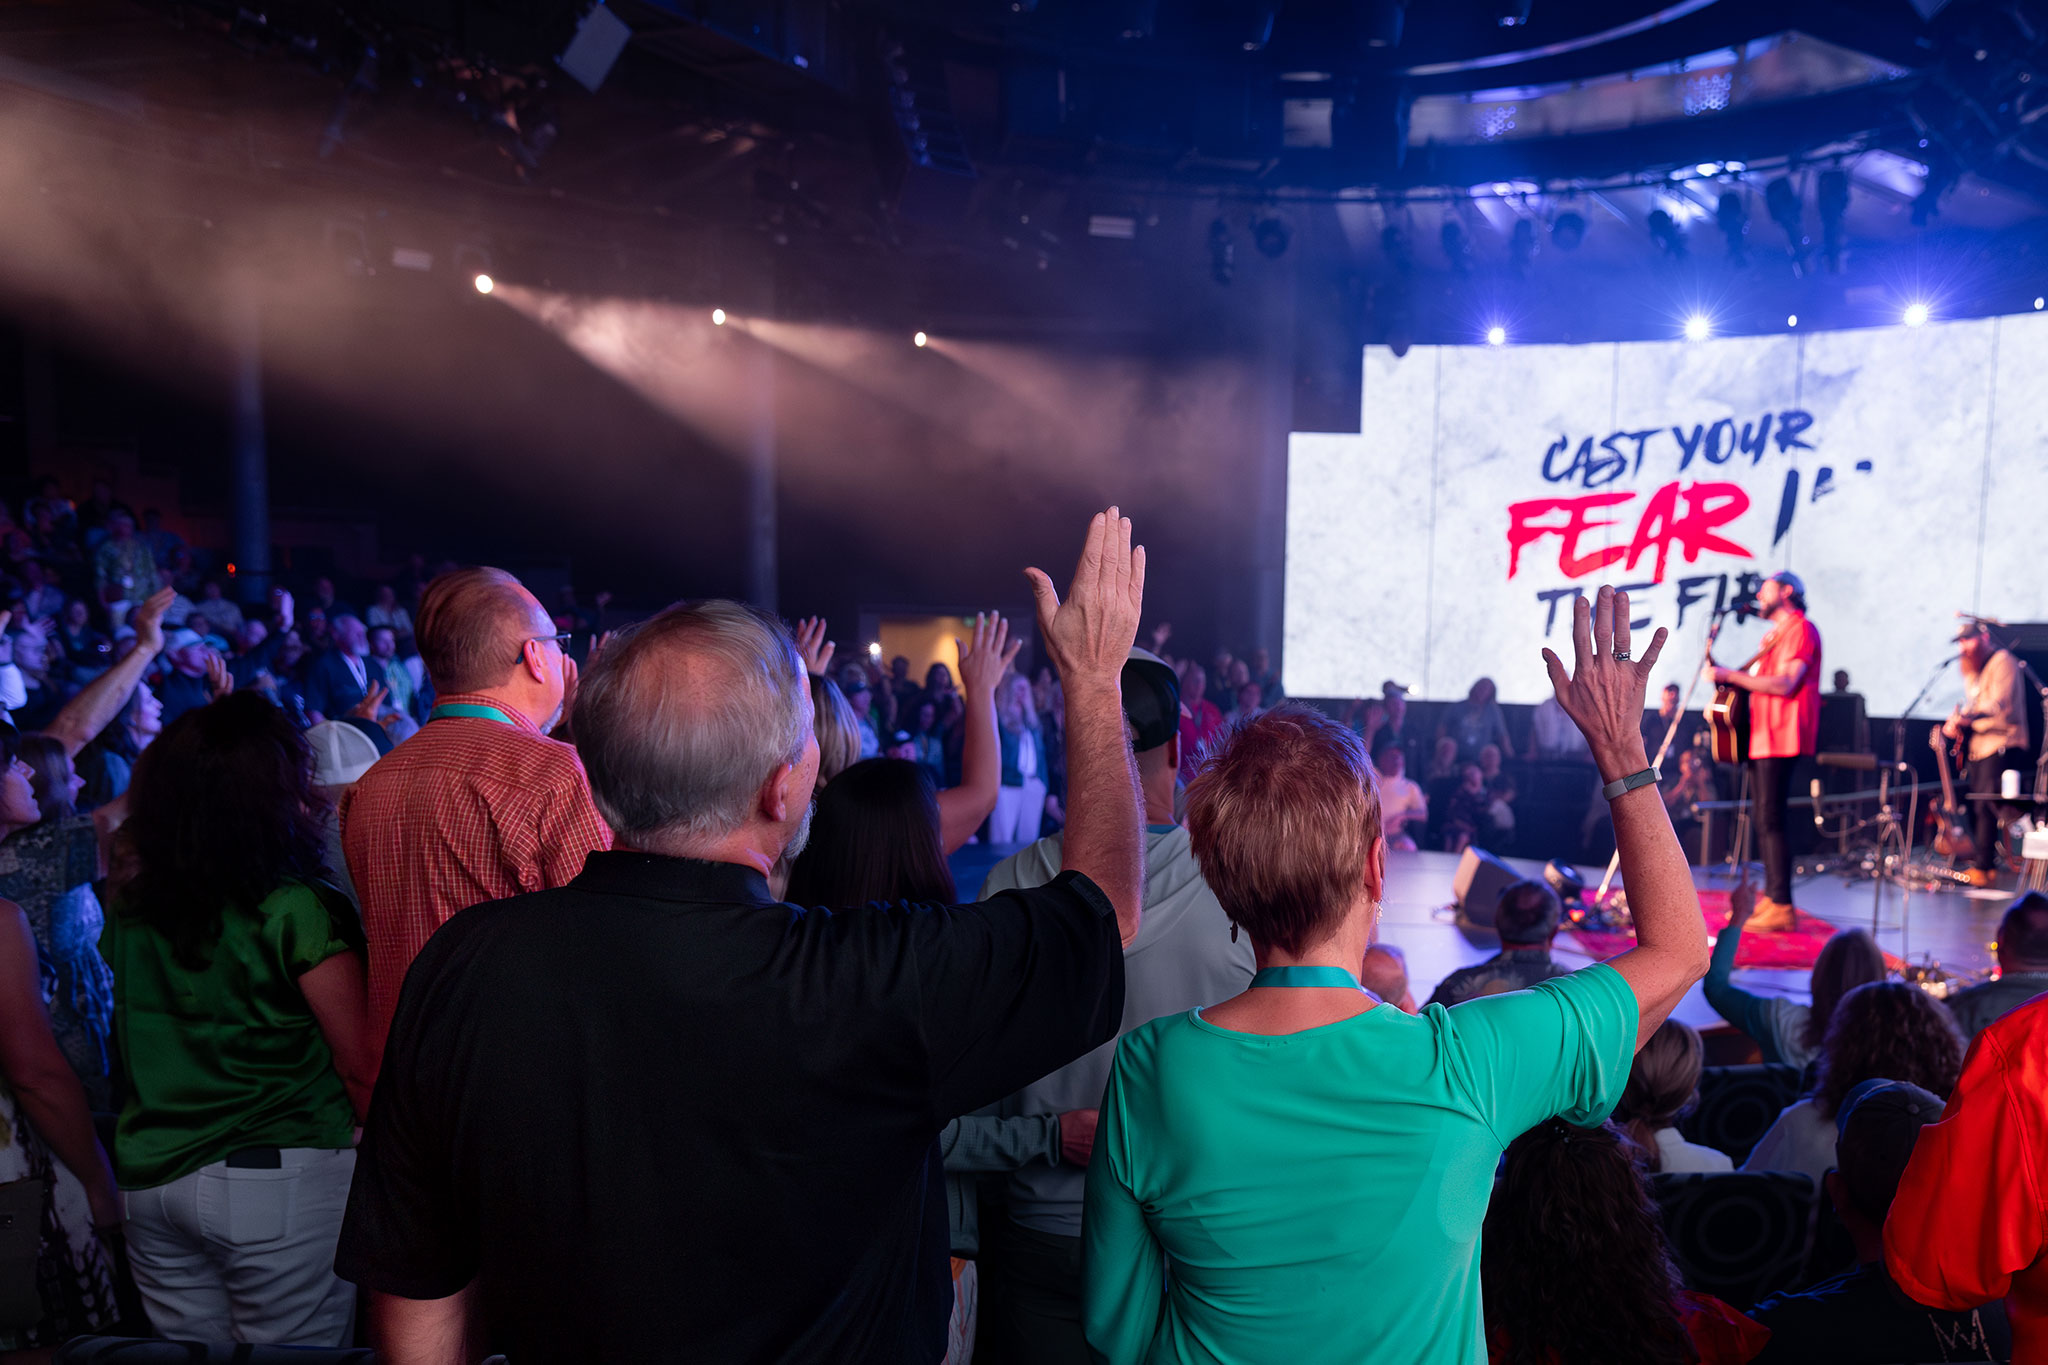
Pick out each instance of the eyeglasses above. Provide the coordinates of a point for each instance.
(561, 639)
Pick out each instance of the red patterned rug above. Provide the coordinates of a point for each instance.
(1793, 951)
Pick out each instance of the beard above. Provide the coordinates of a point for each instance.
(802, 837)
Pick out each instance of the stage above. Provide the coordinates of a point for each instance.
(1954, 927)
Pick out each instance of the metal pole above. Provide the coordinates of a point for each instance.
(251, 454)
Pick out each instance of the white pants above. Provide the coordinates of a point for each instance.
(1018, 812)
(231, 1254)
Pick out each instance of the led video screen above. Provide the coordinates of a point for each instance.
(1902, 472)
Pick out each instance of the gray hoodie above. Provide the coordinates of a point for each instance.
(1183, 959)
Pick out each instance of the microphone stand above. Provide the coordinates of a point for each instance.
(1671, 733)
(1889, 830)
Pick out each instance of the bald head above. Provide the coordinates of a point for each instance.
(1385, 974)
(682, 721)
(473, 625)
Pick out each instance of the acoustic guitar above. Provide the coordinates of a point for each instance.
(1728, 713)
(1952, 837)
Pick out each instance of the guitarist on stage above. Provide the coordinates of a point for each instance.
(1994, 717)
(1783, 682)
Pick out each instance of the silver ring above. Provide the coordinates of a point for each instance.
(1621, 656)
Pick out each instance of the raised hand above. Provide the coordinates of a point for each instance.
(1741, 901)
(370, 707)
(1089, 636)
(218, 681)
(1604, 692)
(148, 621)
(988, 656)
(812, 644)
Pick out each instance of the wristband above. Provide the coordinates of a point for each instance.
(1629, 783)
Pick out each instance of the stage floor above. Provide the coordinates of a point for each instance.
(1954, 927)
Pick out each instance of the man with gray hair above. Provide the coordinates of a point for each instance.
(655, 1114)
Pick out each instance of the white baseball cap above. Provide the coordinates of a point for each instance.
(341, 753)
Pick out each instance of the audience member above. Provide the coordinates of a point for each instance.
(1552, 735)
(340, 678)
(927, 740)
(239, 1007)
(42, 690)
(388, 612)
(838, 732)
(1500, 811)
(48, 865)
(86, 651)
(1274, 1144)
(495, 1180)
(342, 753)
(2022, 967)
(1862, 1317)
(1467, 811)
(1526, 917)
(1404, 810)
(1477, 722)
(123, 569)
(1662, 1088)
(1656, 724)
(220, 615)
(1385, 974)
(1185, 956)
(1692, 781)
(1970, 1222)
(480, 804)
(853, 684)
(1020, 805)
(1203, 721)
(1784, 1030)
(1394, 702)
(1489, 761)
(114, 717)
(399, 710)
(1266, 677)
(183, 686)
(108, 763)
(1887, 1030)
(325, 601)
(1576, 1267)
(42, 596)
(57, 1194)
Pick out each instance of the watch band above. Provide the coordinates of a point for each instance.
(1629, 783)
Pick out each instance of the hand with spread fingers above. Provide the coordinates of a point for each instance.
(987, 655)
(811, 643)
(1603, 694)
(1089, 635)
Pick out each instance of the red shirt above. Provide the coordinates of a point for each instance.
(467, 810)
(1970, 1223)
(1786, 727)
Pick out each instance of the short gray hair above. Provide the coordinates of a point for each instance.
(681, 719)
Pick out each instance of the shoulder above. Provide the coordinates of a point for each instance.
(1033, 865)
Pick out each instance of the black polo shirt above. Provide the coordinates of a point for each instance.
(659, 1116)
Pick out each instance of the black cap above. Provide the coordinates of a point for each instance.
(1878, 1124)
(1151, 699)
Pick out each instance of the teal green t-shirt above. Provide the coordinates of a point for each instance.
(231, 1056)
(1317, 1197)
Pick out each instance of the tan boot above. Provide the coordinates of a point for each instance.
(1773, 917)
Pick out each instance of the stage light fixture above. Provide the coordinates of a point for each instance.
(1271, 236)
(1522, 245)
(1833, 199)
(1457, 247)
(1381, 23)
(1512, 13)
(1568, 231)
(2039, 304)
(919, 339)
(1664, 230)
(1697, 328)
(875, 649)
(1733, 217)
(1915, 314)
(1496, 335)
(485, 284)
(1222, 253)
(718, 317)
(1781, 201)
(1792, 320)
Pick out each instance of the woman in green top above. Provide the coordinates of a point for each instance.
(240, 1013)
(1301, 1173)
(1785, 1030)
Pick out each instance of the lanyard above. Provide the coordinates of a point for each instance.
(468, 711)
(1306, 976)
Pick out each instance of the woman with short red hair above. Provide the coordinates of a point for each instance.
(1299, 1173)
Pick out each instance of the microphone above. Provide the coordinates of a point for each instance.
(1814, 788)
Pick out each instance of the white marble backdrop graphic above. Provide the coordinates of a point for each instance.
(1917, 460)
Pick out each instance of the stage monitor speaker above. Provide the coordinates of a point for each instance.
(1480, 880)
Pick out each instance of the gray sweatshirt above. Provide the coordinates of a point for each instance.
(1183, 959)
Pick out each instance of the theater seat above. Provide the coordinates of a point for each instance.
(1737, 1235)
(132, 1351)
(1737, 1103)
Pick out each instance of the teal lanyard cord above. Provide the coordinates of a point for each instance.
(468, 711)
(1307, 976)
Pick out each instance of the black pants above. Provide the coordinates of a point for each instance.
(1031, 1298)
(1985, 815)
(1770, 783)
